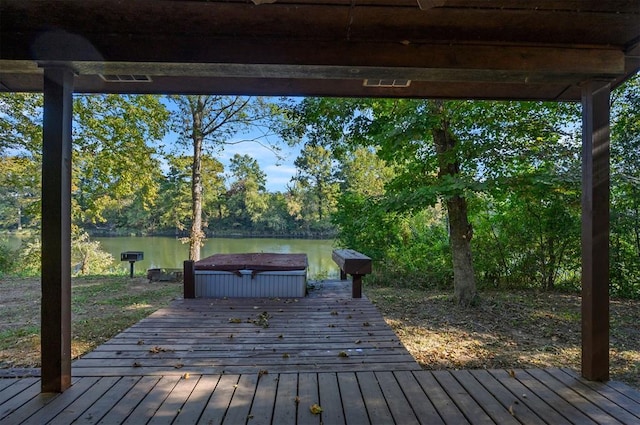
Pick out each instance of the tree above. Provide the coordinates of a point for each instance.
(21, 158)
(246, 198)
(210, 122)
(316, 183)
(115, 159)
(443, 153)
(625, 189)
(21, 124)
(19, 191)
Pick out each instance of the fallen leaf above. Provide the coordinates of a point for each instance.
(511, 410)
(140, 342)
(178, 366)
(315, 409)
(136, 364)
(285, 356)
(235, 320)
(512, 373)
(297, 400)
(342, 354)
(186, 376)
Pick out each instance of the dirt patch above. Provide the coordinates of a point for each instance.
(515, 329)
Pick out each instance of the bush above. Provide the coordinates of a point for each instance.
(7, 259)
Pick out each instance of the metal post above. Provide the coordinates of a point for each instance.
(131, 263)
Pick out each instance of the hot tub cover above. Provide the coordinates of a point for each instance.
(256, 262)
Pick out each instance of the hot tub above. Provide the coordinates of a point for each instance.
(251, 275)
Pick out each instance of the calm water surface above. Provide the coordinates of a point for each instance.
(169, 252)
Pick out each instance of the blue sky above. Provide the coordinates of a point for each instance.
(278, 168)
(279, 172)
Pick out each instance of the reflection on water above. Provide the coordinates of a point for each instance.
(169, 252)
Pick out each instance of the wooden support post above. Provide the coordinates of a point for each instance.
(189, 279)
(56, 230)
(595, 230)
(356, 286)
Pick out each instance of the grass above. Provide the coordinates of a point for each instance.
(101, 306)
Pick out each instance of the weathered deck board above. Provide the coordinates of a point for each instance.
(399, 397)
(327, 331)
(201, 375)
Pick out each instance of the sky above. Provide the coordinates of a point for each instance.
(279, 169)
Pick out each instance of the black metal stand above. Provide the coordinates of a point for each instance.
(131, 263)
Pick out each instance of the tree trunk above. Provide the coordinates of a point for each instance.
(460, 230)
(196, 237)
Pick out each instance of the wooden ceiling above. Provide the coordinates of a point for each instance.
(476, 49)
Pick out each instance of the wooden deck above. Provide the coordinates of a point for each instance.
(269, 361)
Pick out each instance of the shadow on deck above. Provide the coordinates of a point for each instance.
(269, 361)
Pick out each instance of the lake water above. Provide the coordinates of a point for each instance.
(169, 252)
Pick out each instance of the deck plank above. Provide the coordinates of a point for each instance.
(16, 387)
(566, 404)
(108, 400)
(419, 401)
(353, 405)
(200, 336)
(396, 401)
(173, 403)
(129, 401)
(574, 393)
(197, 401)
(286, 403)
(330, 399)
(84, 401)
(497, 411)
(149, 405)
(219, 402)
(521, 411)
(28, 402)
(308, 396)
(4, 383)
(374, 401)
(445, 406)
(240, 405)
(611, 394)
(264, 400)
(532, 396)
(465, 402)
(598, 398)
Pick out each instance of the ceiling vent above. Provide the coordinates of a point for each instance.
(125, 78)
(387, 83)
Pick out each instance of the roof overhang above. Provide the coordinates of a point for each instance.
(508, 49)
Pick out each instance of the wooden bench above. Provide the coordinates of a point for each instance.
(353, 263)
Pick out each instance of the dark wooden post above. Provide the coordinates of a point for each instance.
(595, 230)
(356, 286)
(56, 230)
(189, 279)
